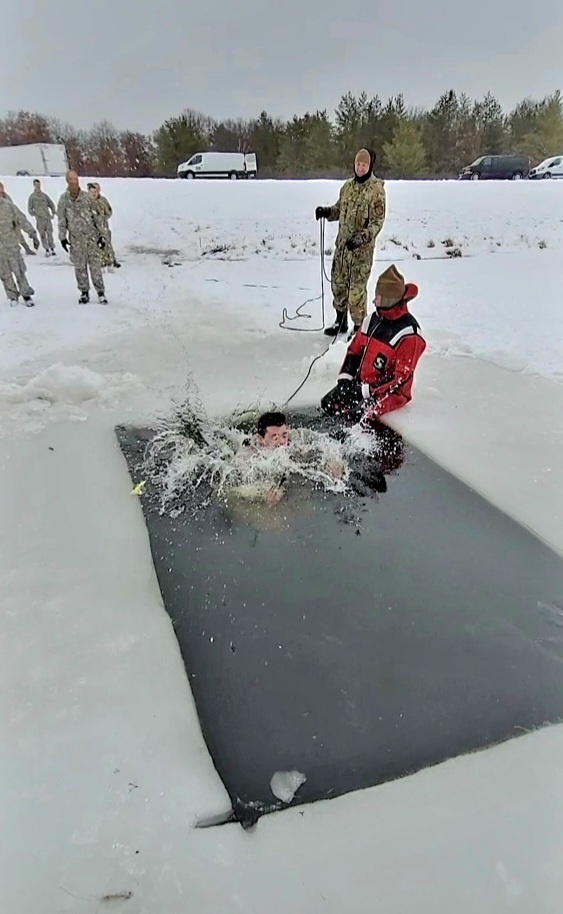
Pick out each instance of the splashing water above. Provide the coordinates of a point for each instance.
(192, 453)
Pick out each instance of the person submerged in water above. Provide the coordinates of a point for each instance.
(273, 432)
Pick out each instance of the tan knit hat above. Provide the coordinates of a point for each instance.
(391, 287)
(363, 156)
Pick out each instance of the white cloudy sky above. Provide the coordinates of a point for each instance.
(137, 63)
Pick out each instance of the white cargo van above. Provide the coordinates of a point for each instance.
(34, 159)
(549, 168)
(231, 165)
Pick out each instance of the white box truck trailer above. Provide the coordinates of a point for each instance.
(231, 165)
(39, 159)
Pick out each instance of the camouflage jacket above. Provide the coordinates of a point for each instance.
(78, 218)
(360, 210)
(40, 205)
(12, 221)
(102, 207)
(106, 207)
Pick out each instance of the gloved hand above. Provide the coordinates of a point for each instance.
(349, 393)
(322, 212)
(65, 244)
(35, 240)
(355, 242)
(101, 244)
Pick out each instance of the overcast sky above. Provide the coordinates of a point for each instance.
(137, 63)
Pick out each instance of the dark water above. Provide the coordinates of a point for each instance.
(358, 639)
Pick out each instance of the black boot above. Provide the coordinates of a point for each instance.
(340, 325)
(84, 298)
(353, 331)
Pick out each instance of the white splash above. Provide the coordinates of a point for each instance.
(190, 451)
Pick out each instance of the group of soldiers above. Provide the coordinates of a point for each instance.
(84, 233)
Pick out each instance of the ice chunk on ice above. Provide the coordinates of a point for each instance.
(285, 784)
(69, 384)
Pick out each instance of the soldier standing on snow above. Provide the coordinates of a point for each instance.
(85, 243)
(360, 211)
(21, 239)
(43, 209)
(12, 266)
(105, 212)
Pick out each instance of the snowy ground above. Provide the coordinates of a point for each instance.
(104, 768)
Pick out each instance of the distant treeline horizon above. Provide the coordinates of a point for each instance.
(408, 142)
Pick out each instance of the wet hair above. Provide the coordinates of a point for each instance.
(267, 420)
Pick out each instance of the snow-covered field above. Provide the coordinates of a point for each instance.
(103, 767)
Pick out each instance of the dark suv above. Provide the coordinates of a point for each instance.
(500, 167)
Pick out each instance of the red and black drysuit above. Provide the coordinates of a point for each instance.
(377, 374)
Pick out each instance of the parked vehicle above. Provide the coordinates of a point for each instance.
(34, 159)
(231, 165)
(499, 167)
(549, 168)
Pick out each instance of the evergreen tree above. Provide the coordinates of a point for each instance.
(307, 146)
(231, 136)
(492, 126)
(356, 126)
(265, 135)
(440, 132)
(546, 139)
(454, 132)
(181, 137)
(522, 123)
(405, 155)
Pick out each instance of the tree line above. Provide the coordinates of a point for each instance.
(409, 142)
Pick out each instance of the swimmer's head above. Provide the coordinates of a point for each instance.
(272, 430)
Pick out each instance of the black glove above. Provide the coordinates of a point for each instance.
(349, 392)
(355, 242)
(65, 244)
(101, 244)
(322, 212)
(36, 242)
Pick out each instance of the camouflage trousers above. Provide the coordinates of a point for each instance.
(108, 253)
(349, 278)
(45, 232)
(12, 274)
(85, 258)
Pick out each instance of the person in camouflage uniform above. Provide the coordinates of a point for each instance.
(360, 211)
(21, 240)
(105, 212)
(42, 208)
(12, 266)
(85, 243)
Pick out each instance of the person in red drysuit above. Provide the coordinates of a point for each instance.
(377, 374)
